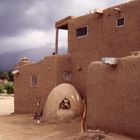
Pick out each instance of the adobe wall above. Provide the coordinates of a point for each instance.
(63, 65)
(103, 39)
(113, 96)
(46, 72)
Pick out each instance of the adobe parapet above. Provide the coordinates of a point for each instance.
(63, 23)
(24, 61)
(113, 96)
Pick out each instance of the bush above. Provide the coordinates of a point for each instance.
(9, 87)
(6, 75)
(1, 89)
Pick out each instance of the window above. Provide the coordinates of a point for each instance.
(67, 76)
(120, 22)
(33, 81)
(81, 31)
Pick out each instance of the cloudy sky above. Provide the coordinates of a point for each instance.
(26, 24)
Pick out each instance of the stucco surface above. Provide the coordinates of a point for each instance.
(113, 97)
(103, 39)
(118, 107)
(47, 71)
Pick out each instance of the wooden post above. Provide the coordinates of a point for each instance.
(56, 41)
(83, 118)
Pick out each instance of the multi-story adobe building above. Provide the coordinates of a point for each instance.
(113, 32)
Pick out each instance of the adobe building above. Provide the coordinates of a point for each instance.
(111, 92)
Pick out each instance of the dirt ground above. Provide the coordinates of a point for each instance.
(22, 127)
(6, 105)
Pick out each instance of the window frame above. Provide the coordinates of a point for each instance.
(31, 81)
(119, 19)
(81, 35)
(67, 75)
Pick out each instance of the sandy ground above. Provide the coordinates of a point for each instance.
(22, 127)
(6, 105)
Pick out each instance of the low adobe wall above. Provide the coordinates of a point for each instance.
(25, 95)
(48, 76)
(113, 96)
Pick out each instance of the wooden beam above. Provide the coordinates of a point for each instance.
(56, 41)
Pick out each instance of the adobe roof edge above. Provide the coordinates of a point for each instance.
(63, 23)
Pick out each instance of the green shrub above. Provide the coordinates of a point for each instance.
(9, 87)
(6, 75)
(1, 89)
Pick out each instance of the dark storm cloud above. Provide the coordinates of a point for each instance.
(18, 16)
(22, 20)
(14, 18)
